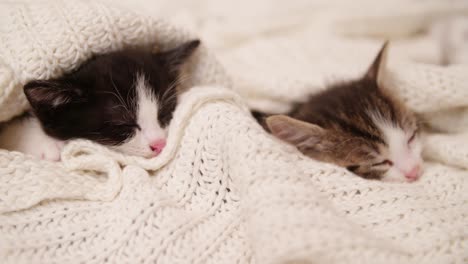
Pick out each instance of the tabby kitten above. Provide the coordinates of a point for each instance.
(358, 125)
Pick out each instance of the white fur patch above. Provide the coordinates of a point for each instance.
(27, 136)
(147, 118)
(404, 155)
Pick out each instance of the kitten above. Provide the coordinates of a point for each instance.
(358, 125)
(123, 99)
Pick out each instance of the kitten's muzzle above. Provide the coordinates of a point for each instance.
(413, 174)
(157, 146)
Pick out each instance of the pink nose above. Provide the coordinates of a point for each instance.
(157, 146)
(414, 173)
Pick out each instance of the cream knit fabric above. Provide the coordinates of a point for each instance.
(224, 191)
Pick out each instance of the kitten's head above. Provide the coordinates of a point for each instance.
(356, 125)
(123, 99)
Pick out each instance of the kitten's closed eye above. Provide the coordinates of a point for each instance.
(385, 162)
(129, 126)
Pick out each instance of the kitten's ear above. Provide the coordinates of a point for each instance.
(176, 57)
(51, 94)
(377, 68)
(298, 133)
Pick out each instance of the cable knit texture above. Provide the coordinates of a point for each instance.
(223, 190)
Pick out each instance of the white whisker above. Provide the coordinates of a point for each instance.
(118, 95)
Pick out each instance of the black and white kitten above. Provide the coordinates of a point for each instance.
(359, 125)
(123, 99)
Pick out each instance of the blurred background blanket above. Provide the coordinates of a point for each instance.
(223, 190)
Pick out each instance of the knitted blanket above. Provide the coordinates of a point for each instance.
(223, 190)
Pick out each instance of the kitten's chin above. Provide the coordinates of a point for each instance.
(395, 176)
(137, 146)
(134, 151)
